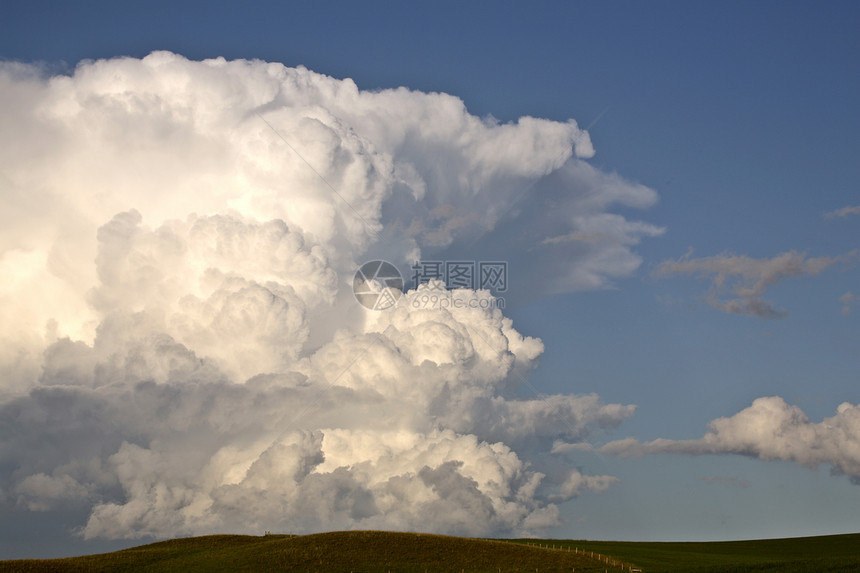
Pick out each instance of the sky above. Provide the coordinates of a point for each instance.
(189, 189)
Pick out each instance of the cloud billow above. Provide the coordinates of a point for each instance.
(180, 351)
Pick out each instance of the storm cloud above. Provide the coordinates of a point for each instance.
(180, 349)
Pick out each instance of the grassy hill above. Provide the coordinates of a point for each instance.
(357, 551)
(376, 551)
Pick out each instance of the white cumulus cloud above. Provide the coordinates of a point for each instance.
(180, 349)
(770, 429)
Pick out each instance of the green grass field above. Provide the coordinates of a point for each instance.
(374, 551)
(807, 554)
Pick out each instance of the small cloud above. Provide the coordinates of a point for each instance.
(843, 212)
(576, 483)
(769, 429)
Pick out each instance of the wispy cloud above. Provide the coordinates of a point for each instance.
(739, 282)
(843, 212)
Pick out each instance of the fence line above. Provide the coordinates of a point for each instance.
(599, 556)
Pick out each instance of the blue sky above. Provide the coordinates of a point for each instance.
(741, 116)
